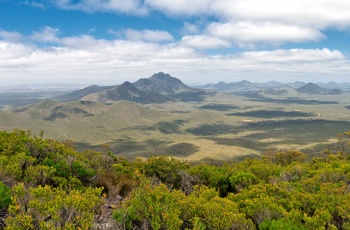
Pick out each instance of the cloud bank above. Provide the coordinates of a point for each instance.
(250, 32)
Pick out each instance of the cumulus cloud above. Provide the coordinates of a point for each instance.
(294, 55)
(276, 33)
(35, 4)
(313, 13)
(204, 42)
(245, 23)
(10, 36)
(98, 61)
(46, 34)
(126, 6)
(145, 35)
(12, 52)
(180, 7)
(190, 28)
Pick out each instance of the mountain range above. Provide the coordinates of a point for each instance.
(159, 88)
(163, 88)
(330, 88)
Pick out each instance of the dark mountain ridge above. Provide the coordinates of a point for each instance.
(272, 86)
(159, 88)
(129, 92)
(311, 88)
(76, 95)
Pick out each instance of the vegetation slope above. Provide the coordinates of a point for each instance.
(46, 184)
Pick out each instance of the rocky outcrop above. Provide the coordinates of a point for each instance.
(104, 220)
(3, 215)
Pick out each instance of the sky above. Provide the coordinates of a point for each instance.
(107, 42)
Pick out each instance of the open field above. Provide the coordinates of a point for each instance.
(222, 127)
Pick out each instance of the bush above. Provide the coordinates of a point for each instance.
(5, 195)
(52, 208)
(155, 204)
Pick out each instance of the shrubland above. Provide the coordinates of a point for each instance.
(47, 184)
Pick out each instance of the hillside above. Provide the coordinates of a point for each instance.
(48, 184)
(311, 88)
(162, 83)
(79, 94)
(129, 92)
(159, 88)
(160, 115)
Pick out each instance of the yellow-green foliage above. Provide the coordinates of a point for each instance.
(52, 208)
(156, 204)
(5, 195)
(56, 187)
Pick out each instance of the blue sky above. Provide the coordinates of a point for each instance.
(107, 42)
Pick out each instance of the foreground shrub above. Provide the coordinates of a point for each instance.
(5, 195)
(214, 212)
(154, 204)
(52, 208)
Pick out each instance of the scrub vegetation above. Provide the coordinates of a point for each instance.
(47, 184)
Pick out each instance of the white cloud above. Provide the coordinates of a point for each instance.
(294, 55)
(46, 34)
(313, 13)
(180, 7)
(125, 6)
(266, 32)
(146, 35)
(89, 60)
(189, 28)
(204, 42)
(10, 36)
(11, 52)
(245, 23)
(33, 4)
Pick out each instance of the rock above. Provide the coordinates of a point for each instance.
(3, 215)
(104, 220)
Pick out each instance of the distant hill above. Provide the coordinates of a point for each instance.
(129, 92)
(77, 95)
(311, 88)
(164, 83)
(296, 84)
(278, 88)
(159, 88)
(222, 86)
(335, 85)
(161, 83)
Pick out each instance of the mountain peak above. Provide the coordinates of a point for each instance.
(310, 88)
(163, 83)
(161, 76)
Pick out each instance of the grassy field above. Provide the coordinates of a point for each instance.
(223, 127)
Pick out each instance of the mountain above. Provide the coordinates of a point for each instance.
(161, 83)
(311, 88)
(222, 86)
(296, 84)
(159, 88)
(270, 84)
(77, 95)
(129, 92)
(334, 85)
(164, 83)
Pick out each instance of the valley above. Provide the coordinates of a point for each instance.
(160, 116)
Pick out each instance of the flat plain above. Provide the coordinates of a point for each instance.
(221, 127)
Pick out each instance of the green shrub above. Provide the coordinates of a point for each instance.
(5, 195)
(156, 204)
